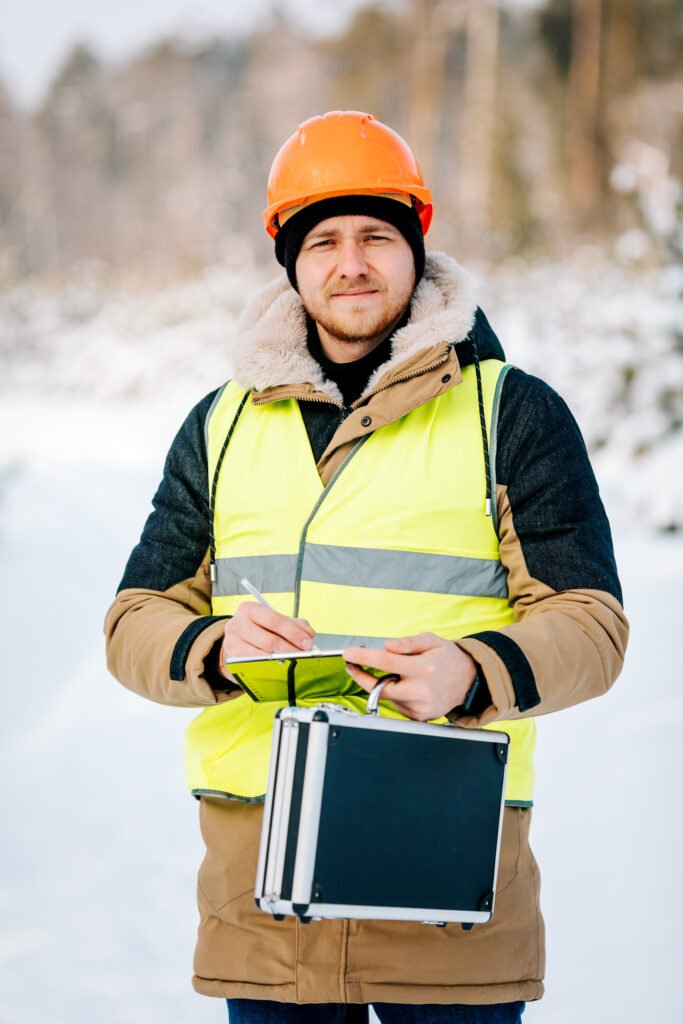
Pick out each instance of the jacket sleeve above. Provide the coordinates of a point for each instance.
(569, 634)
(162, 642)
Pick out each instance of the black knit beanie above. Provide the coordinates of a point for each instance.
(290, 237)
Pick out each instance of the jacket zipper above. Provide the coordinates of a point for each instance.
(402, 378)
(347, 409)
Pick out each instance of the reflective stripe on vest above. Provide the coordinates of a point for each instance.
(397, 543)
(397, 570)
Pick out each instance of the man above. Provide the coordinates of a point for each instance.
(377, 470)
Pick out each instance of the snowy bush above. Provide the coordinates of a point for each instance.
(607, 335)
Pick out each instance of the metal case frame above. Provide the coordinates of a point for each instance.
(292, 812)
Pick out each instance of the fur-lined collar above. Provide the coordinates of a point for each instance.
(270, 349)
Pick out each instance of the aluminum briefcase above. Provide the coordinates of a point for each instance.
(369, 817)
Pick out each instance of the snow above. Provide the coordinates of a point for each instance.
(607, 336)
(100, 841)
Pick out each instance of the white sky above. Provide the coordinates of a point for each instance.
(35, 35)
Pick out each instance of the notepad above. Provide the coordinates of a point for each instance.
(284, 674)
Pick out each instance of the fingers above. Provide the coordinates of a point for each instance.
(253, 641)
(389, 660)
(409, 696)
(256, 629)
(407, 711)
(298, 632)
(409, 693)
(364, 679)
(406, 690)
(419, 697)
(245, 651)
(415, 644)
(382, 660)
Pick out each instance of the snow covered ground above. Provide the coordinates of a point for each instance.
(99, 840)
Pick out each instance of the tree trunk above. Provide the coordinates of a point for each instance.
(427, 27)
(477, 149)
(583, 121)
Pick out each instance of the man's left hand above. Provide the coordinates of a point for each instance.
(435, 674)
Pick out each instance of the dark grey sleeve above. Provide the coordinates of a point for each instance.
(558, 513)
(176, 535)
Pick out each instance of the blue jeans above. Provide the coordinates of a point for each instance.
(256, 1011)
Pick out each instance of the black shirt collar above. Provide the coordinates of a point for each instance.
(352, 378)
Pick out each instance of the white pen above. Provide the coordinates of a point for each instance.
(262, 600)
(256, 593)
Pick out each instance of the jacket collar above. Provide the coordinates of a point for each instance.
(270, 350)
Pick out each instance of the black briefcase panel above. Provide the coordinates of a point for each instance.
(369, 817)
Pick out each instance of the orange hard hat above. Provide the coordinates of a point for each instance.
(343, 153)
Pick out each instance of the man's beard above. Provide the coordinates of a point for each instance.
(368, 325)
(364, 328)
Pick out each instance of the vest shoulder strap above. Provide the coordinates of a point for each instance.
(210, 411)
(495, 413)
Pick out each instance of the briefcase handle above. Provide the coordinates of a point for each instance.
(376, 692)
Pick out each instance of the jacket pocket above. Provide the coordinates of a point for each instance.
(510, 848)
(231, 833)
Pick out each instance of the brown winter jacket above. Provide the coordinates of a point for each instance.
(566, 645)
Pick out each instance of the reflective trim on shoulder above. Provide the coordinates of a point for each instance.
(493, 439)
(216, 400)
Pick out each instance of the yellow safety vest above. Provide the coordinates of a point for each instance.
(397, 543)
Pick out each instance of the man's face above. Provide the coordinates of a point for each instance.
(356, 275)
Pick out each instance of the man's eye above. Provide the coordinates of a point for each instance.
(322, 242)
(377, 238)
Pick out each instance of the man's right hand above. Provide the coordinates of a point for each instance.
(255, 629)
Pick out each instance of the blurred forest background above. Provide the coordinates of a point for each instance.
(550, 132)
(536, 128)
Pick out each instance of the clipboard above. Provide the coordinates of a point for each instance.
(274, 677)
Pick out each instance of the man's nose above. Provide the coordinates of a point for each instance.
(352, 262)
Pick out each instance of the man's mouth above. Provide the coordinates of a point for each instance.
(354, 294)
